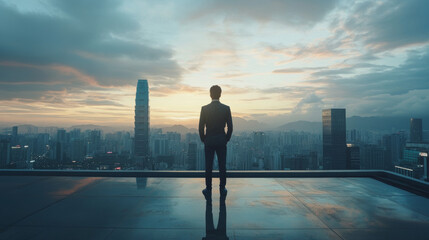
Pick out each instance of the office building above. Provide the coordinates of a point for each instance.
(61, 145)
(416, 130)
(192, 156)
(353, 156)
(4, 151)
(394, 145)
(93, 145)
(14, 135)
(412, 153)
(373, 157)
(334, 138)
(141, 124)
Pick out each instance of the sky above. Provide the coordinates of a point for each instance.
(66, 63)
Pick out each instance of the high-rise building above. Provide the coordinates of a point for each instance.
(61, 135)
(77, 149)
(161, 146)
(201, 164)
(14, 135)
(259, 139)
(394, 145)
(334, 138)
(354, 136)
(259, 143)
(4, 151)
(416, 131)
(42, 143)
(373, 157)
(353, 156)
(20, 156)
(192, 156)
(61, 145)
(412, 153)
(141, 124)
(93, 145)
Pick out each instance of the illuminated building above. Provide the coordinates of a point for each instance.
(141, 124)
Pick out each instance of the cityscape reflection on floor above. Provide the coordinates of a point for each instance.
(173, 208)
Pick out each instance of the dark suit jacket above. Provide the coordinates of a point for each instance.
(213, 118)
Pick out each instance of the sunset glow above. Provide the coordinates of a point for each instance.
(77, 62)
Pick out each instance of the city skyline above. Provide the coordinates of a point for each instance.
(335, 148)
(252, 150)
(277, 62)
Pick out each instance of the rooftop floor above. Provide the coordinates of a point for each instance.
(40, 207)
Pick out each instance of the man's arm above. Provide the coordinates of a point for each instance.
(229, 125)
(201, 126)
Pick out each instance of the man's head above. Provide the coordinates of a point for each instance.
(215, 92)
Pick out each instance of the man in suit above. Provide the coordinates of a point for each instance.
(213, 119)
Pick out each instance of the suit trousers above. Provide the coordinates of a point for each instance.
(220, 151)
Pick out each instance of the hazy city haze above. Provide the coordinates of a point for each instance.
(76, 62)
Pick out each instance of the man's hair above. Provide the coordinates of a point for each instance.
(215, 92)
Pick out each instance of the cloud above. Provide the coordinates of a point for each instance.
(390, 24)
(338, 44)
(232, 75)
(100, 102)
(273, 109)
(18, 73)
(255, 99)
(289, 70)
(161, 91)
(289, 12)
(311, 104)
(85, 44)
(412, 74)
(296, 70)
(379, 90)
(382, 91)
(364, 29)
(361, 41)
(409, 104)
(344, 69)
(59, 56)
(290, 92)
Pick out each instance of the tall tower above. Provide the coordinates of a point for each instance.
(15, 135)
(334, 138)
(141, 124)
(416, 133)
(4, 152)
(61, 145)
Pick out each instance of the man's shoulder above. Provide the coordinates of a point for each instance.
(212, 104)
(205, 106)
(224, 105)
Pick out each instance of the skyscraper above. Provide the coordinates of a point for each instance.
(141, 124)
(394, 145)
(373, 157)
(14, 135)
(61, 145)
(4, 151)
(192, 156)
(334, 138)
(353, 156)
(416, 133)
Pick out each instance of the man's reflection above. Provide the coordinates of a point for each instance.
(141, 182)
(220, 232)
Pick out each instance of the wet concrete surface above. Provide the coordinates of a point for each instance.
(174, 208)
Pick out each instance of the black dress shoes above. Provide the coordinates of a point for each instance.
(223, 192)
(207, 193)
